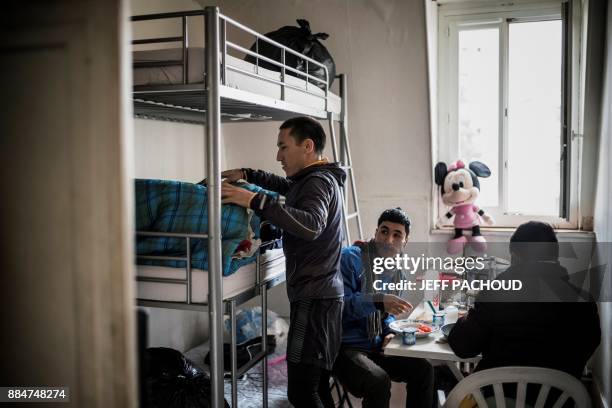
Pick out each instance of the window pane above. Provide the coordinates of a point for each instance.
(534, 117)
(479, 105)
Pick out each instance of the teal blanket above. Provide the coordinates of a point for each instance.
(173, 206)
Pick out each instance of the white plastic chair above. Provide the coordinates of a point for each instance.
(569, 386)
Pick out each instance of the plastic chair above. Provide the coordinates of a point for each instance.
(569, 386)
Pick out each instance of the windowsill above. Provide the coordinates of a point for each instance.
(508, 231)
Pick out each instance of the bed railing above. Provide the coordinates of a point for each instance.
(225, 44)
(183, 39)
(188, 280)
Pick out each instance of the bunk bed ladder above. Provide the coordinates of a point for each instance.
(343, 156)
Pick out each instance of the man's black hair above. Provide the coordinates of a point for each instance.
(535, 240)
(397, 216)
(303, 127)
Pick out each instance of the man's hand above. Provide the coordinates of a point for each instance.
(395, 305)
(230, 176)
(387, 339)
(236, 195)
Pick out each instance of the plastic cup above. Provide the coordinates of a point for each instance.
(409, 336)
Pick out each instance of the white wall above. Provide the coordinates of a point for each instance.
(168, 150)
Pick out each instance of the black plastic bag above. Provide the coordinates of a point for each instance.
(302, 40)
(171, 381)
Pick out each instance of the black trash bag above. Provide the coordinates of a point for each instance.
(171, 381)
(302, 40)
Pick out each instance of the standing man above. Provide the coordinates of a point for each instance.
(311, 218)
(361, 365)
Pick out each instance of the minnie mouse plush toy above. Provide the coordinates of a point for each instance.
(460, 188)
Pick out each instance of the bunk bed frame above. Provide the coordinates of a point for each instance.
(210, 103)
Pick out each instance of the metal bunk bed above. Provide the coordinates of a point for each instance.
(210, 102)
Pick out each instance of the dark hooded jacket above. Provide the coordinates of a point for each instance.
(548, 324)
(311, 218)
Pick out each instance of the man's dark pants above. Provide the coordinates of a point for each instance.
(368, 375)
(315, 335)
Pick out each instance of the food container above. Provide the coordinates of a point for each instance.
(438, 319)
(409, 336)
(452, 314)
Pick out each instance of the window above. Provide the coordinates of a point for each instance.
(504, 98)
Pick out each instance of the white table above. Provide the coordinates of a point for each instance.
(430, 349)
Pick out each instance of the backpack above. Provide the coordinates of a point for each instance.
(302, 40)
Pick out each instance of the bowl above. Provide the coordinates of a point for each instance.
(446, 329)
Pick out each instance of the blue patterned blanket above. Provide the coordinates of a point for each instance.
(173, 206)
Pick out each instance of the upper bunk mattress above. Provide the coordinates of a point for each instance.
(272, 266)
(173, 75)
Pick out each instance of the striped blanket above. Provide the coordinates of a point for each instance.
(173, 206)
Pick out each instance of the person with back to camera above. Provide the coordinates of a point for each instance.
(526, 328)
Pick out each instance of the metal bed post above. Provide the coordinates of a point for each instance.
(343, 117)
(223, 34)
(188, 270)
(263, 287)
(185, 44)
(213, 141)
(233, 353)
(257, 55)
(307, 75)
(262, 290)
(283, 56)
(342, 123)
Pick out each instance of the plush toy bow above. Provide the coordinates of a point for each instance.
(456, 165)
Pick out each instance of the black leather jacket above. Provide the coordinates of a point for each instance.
(311, 218)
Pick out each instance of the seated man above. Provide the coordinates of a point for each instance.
(360, 365)
(510, 329)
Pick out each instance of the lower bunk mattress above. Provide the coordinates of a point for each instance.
(272, 266)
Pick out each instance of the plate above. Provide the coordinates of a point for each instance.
(398, 325)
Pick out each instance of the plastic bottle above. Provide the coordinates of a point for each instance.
(452, 314)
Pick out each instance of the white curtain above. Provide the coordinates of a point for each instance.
(603, 217)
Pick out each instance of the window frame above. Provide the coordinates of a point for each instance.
(455, 16)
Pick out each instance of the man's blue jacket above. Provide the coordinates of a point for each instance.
(358, 306)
